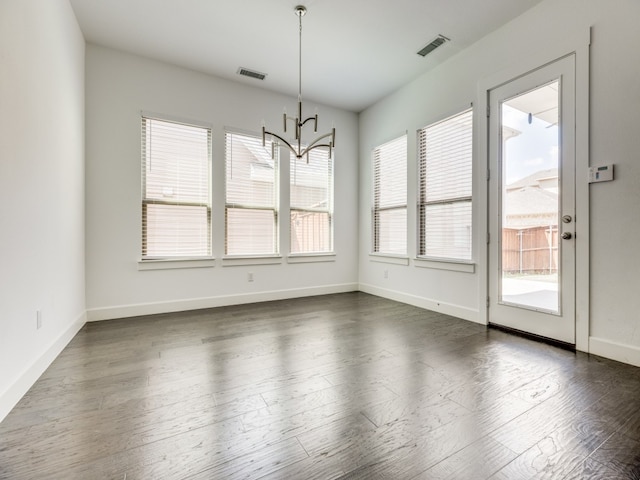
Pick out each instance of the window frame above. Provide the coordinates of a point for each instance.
(376, 209)
(436, 261)
(328, 210)
(252, 258)
(156, 262)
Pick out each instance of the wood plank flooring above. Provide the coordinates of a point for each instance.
(347, 386)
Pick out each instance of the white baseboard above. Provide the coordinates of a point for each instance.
(12, 395)
(620, 352)
(136, 310)
(441, 307)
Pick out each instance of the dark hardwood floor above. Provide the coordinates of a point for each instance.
(347, 386)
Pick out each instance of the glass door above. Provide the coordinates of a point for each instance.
(531, 208)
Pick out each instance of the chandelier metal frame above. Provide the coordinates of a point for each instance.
(298, 122)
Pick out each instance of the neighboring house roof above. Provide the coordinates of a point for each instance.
(532, 201)
(534, 179)
(261, 154)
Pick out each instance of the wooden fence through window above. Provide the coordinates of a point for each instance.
(530, 251)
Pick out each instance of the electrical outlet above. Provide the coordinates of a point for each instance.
(38, 319)
(250, 277)
(386, 274)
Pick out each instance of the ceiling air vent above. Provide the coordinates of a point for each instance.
(251, 73)
(440, 39)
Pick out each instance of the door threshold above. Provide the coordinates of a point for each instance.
(532, 336)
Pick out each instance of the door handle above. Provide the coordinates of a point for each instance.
(567, 236)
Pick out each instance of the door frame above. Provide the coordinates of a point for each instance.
(578, 46)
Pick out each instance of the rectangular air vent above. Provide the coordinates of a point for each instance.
(251, 73)
(440, 39)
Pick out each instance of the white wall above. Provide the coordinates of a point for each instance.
(119, 87)
(615, 216)
(41, 188)
(611, 301)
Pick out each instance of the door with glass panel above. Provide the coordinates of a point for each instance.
(532, 203)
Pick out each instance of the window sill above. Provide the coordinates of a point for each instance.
(248, 260)
(451, 265)
(311, 258)
(173, 263)
(392, 259)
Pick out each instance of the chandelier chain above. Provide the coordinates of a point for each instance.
(300, 57)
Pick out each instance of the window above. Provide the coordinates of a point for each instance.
(176, 198)
(445, 155)
(390, 197)
(311, 204)
(251, 213)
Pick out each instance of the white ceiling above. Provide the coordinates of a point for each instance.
(354, 51)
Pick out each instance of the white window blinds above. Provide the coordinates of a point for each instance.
(176, 198)
(251, 213)
(445, 169)
(390, 197)
(311, 203)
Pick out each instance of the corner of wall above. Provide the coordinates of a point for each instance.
(25, 380)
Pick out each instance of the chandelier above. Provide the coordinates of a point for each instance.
(297, 148)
